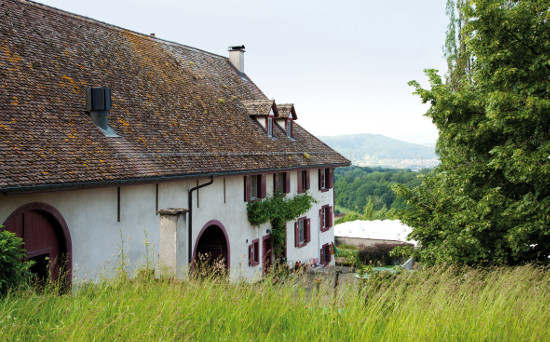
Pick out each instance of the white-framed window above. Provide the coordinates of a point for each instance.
(325, 179)
(303, 181)
(302, 232)
(253, 187)
(281, 182)
(325, 218)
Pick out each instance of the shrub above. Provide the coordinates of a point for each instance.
(379, 254)
(14, 271)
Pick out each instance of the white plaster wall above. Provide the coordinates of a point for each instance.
(91, 216)
(318, 238)
(232, 215)
(261, 120)
(281, 124)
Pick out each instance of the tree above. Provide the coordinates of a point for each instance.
(14, 270)
(488, 202)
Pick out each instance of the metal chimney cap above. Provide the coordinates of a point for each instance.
(237, 48)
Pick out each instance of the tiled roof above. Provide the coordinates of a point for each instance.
(179, 111)
(285, 110)
(259, 107)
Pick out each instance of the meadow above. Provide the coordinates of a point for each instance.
(451, 304)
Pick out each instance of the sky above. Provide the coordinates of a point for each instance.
(344, 64)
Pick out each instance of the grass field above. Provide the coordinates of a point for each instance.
(498, 304)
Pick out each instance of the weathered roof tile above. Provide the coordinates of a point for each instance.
(179, 111)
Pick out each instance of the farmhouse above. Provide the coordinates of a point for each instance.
(116, 145)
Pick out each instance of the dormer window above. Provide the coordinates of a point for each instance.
(285, 118)
(269, 125)
(288, 128)
(264, 112)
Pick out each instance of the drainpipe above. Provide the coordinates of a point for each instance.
(190, 201)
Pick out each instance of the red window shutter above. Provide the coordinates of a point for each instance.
(329, 217)
(246, 188)
(330, 175)
(275, 182)
(307, 180)
(291, 128)
(262, 193)
(322, 255)
(300, 185)
(287, 182)
(320, 182)
(296, 235)
(308, 233)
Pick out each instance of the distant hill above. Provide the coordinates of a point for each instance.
(378, 150)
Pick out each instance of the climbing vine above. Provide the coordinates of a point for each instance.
(278, 210)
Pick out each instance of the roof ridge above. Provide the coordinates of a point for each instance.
(111, 26)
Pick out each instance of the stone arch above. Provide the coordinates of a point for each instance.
(213, 239)
(46, 237)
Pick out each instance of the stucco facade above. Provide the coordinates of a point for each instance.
(99, 238)
(117, 137)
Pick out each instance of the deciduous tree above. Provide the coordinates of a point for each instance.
(488, 202)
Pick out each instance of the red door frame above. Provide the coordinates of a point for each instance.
(267, 246)
(223, 230)
(60, 226)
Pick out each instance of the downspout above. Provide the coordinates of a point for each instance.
(190, 201)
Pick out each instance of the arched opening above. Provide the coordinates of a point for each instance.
(47, 240)
(212, 246)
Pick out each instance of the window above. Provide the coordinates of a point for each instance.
(269, 125)
(281, 182)
(325, 254)
(325, 179)
(301, 232)
(254, 253)
(303, 180)
(288, 126)
(325, 217)
(254, 187)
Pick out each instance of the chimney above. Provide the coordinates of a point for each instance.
(98, 104)
(236, 57)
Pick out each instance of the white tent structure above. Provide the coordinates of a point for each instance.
(376, 230)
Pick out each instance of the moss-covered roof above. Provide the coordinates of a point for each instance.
(179, 111)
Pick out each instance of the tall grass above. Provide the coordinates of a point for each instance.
(437, 304)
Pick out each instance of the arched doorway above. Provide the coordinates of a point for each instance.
(212, 244)
(46, 237)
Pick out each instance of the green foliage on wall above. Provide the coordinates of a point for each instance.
(278, 210)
